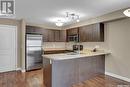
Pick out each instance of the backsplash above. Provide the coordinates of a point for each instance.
(69, 45)
(88, 45)
(54, 45)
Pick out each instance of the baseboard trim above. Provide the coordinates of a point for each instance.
(18, 69)
(22, 70)
(118, 76)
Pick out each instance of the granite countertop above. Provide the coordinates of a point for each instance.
(65, 56)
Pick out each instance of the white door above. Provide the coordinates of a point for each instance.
(8, 48)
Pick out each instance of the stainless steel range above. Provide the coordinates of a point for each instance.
(33, 51)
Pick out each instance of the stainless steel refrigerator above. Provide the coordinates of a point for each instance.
(33, 51)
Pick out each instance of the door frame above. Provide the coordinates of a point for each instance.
(16, 43)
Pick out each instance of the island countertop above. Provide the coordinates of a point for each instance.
(65, 56)
(67, 69)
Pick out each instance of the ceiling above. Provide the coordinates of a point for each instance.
(44, 12)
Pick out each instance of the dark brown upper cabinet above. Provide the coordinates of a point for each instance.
(88, 33)
(72, 31)
(63, 36)
(30, 29)
(45, 35)
(56, 35)
(38, 30)
(73, 34)
(60, 35)
(49, 35)
(92, 33)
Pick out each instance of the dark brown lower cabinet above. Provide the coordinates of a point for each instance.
(65, 73)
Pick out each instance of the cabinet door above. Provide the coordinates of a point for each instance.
(57, 35)
(85, 33)
(72, 31)
(101, 32)
(98, 32)
(51, 36)
(62, 35)
(45, 35)
(38, 30)
(29, 29)
(92, 33)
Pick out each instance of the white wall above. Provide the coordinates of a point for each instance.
(118, 38)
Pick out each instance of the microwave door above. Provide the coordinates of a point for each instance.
(74, 38)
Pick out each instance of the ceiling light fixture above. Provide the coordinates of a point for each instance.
(72, 16)
(59, 23)
(127, 12)
(78, 20)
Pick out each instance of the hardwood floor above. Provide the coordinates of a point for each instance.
(19, 79)
(35, 79)
(103, 81)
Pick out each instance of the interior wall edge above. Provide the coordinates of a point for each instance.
(22, 46)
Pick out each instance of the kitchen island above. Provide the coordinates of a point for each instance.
(67, 69)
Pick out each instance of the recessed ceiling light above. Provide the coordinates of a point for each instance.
(127, 12)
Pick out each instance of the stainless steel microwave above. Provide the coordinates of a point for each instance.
(73, 38)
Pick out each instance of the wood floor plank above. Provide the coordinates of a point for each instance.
(35, 79)
(104, 81)
(19, 79)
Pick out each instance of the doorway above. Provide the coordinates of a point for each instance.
(8, 48)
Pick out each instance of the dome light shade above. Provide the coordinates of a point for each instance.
(78, 20)
(127, 12)
(59, 24)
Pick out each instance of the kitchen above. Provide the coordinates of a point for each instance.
(81, 53)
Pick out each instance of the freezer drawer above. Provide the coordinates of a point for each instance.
(34, 66)
(33, 61)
